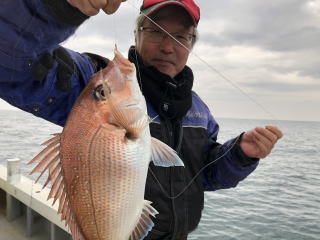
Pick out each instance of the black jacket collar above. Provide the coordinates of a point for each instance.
(170, 97)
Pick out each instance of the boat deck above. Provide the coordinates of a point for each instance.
(25, 213)
(16, 229)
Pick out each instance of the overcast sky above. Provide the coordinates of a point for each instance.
(269, 50)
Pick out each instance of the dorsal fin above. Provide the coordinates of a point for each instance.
(145, 224)
(49, 159)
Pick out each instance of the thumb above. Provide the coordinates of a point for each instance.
(112, 6)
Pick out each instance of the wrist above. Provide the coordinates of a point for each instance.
(242, 158)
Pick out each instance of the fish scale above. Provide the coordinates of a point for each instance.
(122, 178)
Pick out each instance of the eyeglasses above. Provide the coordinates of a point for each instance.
(155, 35)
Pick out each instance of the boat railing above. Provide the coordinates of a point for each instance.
(20, 198)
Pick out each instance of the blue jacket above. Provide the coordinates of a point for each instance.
(28, 31)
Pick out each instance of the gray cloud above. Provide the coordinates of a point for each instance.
(288, 30)
(268, 48)
(281, 87)
(118, 27)
(274, 25)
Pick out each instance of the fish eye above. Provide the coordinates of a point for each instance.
(99, 93)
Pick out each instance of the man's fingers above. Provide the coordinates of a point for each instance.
(259, 141)
(265, 140)
(267, 134)
(98, 4)
(85, 7)
(92, 7)
(112, 6)
(275, 131)
(264, 145)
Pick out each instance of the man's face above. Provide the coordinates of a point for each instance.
(165, 55)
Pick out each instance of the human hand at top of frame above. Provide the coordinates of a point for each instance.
(92, 7)
(258, 142)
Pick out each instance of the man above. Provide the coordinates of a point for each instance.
(40, 77)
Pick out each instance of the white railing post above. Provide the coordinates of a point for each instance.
(29, 221)
(13, 170)
(13, 177)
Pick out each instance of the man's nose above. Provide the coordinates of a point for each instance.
(167, 44)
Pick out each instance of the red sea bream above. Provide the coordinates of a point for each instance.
(98, 165)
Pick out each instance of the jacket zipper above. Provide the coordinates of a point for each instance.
(170, 139)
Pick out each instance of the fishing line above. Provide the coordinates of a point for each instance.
(195, 176)
(219, 74)
(214, 70)
(138, 68)
(114, 28)
(264, 109)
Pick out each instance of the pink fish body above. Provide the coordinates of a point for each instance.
(98, 165)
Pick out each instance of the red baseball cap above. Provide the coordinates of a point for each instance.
(150, 6)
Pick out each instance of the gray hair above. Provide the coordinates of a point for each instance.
(140, 19)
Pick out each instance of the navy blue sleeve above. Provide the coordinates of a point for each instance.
(28, 30)
(230, 165)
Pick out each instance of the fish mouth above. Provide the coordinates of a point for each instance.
(130, 103)
(130, 106)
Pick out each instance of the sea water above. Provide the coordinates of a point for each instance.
(279, 200)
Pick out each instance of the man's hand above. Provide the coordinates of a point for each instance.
(92, 7)
(258, 142)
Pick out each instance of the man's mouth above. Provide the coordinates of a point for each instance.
(162, 61)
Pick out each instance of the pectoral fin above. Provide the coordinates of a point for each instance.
(164, 156)
(145, 223)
